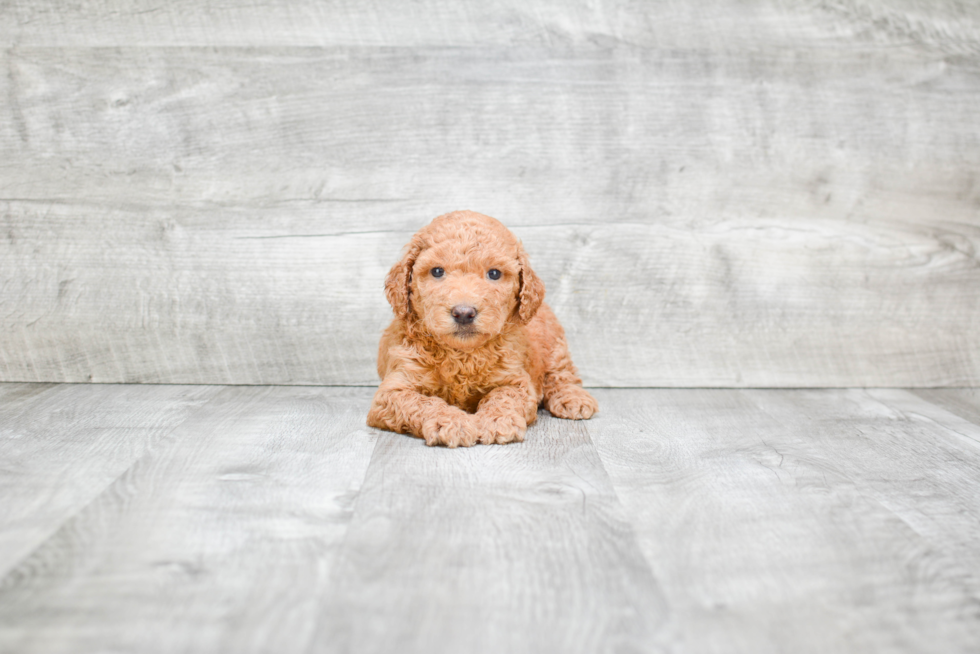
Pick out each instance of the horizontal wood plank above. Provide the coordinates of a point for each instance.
(555, 134)
(720, 24)
(259, 297)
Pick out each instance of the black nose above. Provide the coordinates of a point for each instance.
(464, 314)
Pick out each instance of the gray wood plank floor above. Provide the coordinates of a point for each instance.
(270, 519)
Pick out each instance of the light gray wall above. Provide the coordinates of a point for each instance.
(716, 193)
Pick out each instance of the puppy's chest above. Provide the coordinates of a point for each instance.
(464, 383)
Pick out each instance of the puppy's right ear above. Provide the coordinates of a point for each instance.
(398, 283)
(531, 292)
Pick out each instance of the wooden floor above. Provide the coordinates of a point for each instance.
(271, 519)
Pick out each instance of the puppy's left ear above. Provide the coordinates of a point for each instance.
(531, 292)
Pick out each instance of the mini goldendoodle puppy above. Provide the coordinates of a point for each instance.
(472, 351)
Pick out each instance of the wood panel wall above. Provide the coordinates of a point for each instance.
(770, 193)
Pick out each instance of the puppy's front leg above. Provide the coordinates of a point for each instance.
(505, 412)
(399, 407)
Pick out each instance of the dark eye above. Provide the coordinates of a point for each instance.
(437, 272)
(493, 273)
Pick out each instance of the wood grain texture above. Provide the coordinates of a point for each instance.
(731, 194)
(492, 549)
(800, 520)
(963, 402)
(218, 539)
(271, 299)
(62, 446)
(601, 134)
(949, 26)
(269, 519)
(234, 533)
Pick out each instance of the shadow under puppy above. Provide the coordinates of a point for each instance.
(472, 351)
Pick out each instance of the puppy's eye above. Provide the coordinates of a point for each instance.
(437, 272)
(493, 274)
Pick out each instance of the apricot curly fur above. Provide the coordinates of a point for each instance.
(458, 384)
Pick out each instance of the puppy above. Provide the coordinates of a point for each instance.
(472, 351)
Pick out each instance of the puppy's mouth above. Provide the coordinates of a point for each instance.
(464, 332)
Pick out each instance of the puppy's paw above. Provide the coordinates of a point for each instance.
(502, 429)
(450, 429)
(571, 402)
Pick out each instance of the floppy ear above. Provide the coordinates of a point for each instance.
(398, 283)
(531, 292)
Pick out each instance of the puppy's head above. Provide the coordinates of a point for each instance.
(462, 279)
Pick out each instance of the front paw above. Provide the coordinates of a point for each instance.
(451, 430)
(572, 403)
(502, 429)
